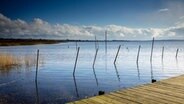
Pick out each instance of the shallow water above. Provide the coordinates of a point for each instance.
(56, 83)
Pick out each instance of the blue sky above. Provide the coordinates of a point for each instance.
(132, 14)
(100, 12)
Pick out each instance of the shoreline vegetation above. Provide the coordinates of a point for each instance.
(17, 42)
(9, 61)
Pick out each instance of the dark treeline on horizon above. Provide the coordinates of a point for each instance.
(74, 40)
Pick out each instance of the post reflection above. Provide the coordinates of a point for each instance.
(138, 72)
(94, 66)
(177, 63)
(75, 83)
(117, 74)
(162, 65)
(95, 76)
(106, 61)
(152, 77)
(37, 94)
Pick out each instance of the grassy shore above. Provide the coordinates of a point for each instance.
(9, 61)
(15, 42)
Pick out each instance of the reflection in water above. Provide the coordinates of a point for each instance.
(117, 72)
(9, 62)
(105, 50)
(95, 58)
(177, 63)
(151, 71)
(76, 45)
(95, 76)
(76, 89)
(37, 94)
(127, 49)
(162, 65)
(94, 66)
(29, 61)
(7, 83)
(105, 61)
(105, 42)
(52, 76)
(138, 72)
(8, 69)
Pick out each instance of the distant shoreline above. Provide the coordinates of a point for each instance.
(18, 42)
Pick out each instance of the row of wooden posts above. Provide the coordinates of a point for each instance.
(97, 48)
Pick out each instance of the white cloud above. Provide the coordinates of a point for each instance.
(163, 10)
(182, 17)
(42, 29)
(180, 22)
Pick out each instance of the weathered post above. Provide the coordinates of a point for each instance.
(162, 53)
(76, 60)
(117, 54)
(138, 53)
(37, 62)
(106, 41)
(95, 43)
(177, 53)
(95, 57)
(152, 50)
(76, 45)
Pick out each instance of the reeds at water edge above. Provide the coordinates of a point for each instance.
(9, 61)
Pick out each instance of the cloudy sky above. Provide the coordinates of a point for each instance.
(85, 19)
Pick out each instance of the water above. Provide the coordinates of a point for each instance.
(56, 83)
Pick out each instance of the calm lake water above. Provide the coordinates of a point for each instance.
(56, 83)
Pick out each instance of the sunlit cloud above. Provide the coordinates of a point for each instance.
(39, 28)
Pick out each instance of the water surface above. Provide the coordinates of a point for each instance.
(56, 83)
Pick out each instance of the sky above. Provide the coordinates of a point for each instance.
(85, 19)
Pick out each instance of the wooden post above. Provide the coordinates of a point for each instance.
(95, 57)
(76, 60)
(138, 53)
(177, 53)
(95, 43)
(117, 54)
(37, 62)
(137, 62)
(76, 45)
(152, 50)
(106, 41)
(162, 53)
